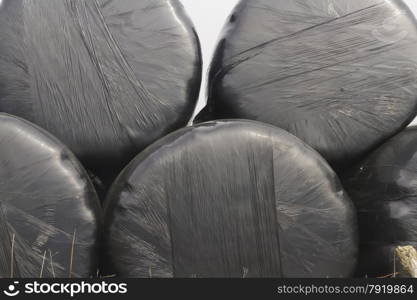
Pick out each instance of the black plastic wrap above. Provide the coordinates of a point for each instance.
(229, 199)
(339, 74)
(106, 77)
(49, 211)
(384, 189)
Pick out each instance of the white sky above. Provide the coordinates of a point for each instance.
(209, 17)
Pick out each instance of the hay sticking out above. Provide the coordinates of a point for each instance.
(407, 257)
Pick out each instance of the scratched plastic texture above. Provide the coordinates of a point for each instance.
(384, 189)
(229, 199)
(106, 77)
(49, 210)
(339, 74)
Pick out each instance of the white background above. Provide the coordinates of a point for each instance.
(209, 17)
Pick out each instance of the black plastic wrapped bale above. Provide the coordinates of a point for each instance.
(339, 74)
(384, 189)
(106, 77)
(229, 199)
(49, 211)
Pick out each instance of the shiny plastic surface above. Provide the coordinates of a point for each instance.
(384, 189)
(338, 74)
(106, 77)
(229, 199)
(49, 211)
